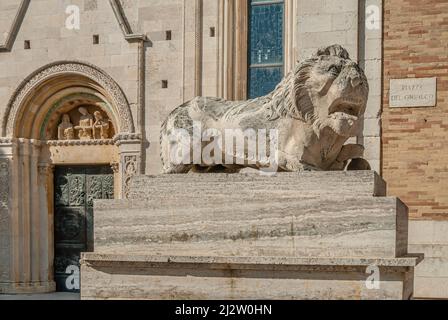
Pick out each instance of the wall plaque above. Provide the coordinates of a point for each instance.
(413, 93)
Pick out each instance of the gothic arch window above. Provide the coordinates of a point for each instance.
(265, 46)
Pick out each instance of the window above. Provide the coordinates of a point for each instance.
(265, 46)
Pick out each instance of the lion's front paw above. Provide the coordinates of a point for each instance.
(350, 151)
(292, 164)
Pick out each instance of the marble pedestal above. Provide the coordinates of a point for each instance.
(292, 236)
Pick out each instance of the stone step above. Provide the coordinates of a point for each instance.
(295, 185)
(327, 225)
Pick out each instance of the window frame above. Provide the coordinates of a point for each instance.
(281, 65)
(233, 45)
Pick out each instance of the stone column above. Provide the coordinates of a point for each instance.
(24, 212)
(35, 212)
(117, 178)
(6, 221)
(23, 232)
(46, 249)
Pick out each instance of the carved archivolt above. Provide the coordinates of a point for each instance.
(15, 106)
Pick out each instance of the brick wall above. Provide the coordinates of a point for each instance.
(415, 140)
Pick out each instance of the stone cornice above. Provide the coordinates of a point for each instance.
(127, 138)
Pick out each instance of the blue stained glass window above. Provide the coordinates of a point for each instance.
(266, 49)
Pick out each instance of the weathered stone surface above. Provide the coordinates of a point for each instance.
(311, 125)
(297, 184)
(431, 276)
(256, 226)
(191, 278)
(243, 215)
(292, 236)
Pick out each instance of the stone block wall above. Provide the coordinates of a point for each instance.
(45, 28)
(325, 22)
(190, 63)
(431, 276)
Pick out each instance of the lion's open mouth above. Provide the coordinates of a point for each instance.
(343, 106)
(343, 116)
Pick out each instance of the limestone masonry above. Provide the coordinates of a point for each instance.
(89, 89)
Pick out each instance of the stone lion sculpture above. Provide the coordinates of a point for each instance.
(314, 110)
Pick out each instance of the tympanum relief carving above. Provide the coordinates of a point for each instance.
(89, 127)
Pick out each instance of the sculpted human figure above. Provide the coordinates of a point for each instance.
(314, 110)
(85, 127)
(100, 127)
(65, 129)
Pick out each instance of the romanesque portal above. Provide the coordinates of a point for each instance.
(68, 138)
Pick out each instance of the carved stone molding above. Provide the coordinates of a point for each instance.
(115, 166)
(130, 169)
(4, 183)
(122, 138)
(26, 88)
(72, 143)
(6, 141)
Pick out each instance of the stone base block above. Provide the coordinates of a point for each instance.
(309, 235)
(431, 276)
(121, 277)
(27, 288)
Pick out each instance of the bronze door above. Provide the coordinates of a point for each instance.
(76, 188)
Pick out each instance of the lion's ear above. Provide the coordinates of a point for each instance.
(334, 50)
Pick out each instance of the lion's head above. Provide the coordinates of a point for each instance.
(328, 90)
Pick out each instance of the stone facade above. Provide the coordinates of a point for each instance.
(137, 60)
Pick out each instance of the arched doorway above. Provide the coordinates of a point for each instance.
(68, 138)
